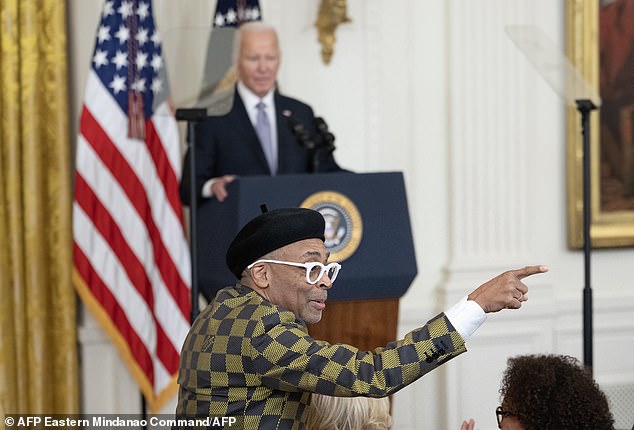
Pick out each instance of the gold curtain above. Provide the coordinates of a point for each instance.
(38, 339)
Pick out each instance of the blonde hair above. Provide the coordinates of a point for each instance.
(348, 413)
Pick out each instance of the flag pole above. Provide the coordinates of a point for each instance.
(143, 411)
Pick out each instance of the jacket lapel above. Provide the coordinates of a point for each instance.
(285, 136)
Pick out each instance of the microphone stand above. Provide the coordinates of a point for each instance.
(585, 106)
(192, 116)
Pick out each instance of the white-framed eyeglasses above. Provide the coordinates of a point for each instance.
(314, 270)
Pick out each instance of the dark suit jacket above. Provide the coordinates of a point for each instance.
(228, 145)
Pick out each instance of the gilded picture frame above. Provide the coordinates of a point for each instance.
(609, 227)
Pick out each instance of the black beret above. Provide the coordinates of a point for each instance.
(270, 231)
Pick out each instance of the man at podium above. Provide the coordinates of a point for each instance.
(264, 133)
(249, 354)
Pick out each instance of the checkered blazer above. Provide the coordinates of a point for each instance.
(249, 358)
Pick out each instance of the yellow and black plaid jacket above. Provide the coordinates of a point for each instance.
(248, 358)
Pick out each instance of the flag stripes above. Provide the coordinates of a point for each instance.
(121, 166)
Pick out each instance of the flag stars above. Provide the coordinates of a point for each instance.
(142, 36)
(141, 60)
(100, 58)
(125, 9)
(139, 85)
(157, 63)
(249, 14)
(156, 38)
(120, 60)
(117, 84)
(122, 34)
(108, 8)
(231, 16)
(219, 21)
(103, 33)
(157, 86)
(253, 14)
(137, 70)
(143, 11)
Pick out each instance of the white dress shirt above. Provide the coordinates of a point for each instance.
(251, 101)
(466, 316)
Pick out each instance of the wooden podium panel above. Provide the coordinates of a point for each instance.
(365, 324)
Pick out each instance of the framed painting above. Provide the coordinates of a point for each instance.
(600, 43)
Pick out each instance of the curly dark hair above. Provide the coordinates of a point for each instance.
(554, 392)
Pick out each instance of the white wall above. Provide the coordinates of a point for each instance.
(437, 90)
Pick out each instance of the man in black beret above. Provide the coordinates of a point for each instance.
(249, 355)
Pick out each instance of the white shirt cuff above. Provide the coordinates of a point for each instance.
(466, 316)
(207, 191)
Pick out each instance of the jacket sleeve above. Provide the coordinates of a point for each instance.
(288, 359)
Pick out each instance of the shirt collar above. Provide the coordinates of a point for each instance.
(250, 99)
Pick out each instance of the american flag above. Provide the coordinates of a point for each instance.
(131, 258)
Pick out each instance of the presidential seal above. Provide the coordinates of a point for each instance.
(344, 227)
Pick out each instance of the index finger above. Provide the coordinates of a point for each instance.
(529, 270)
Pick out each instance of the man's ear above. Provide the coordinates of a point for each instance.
(260, 275)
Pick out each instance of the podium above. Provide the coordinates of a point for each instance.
(368, 231)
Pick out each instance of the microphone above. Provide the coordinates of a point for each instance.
(299, 131)
(316, 146)
(326, 137)
(303, 137)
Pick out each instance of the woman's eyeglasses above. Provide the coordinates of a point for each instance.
(500, 414)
